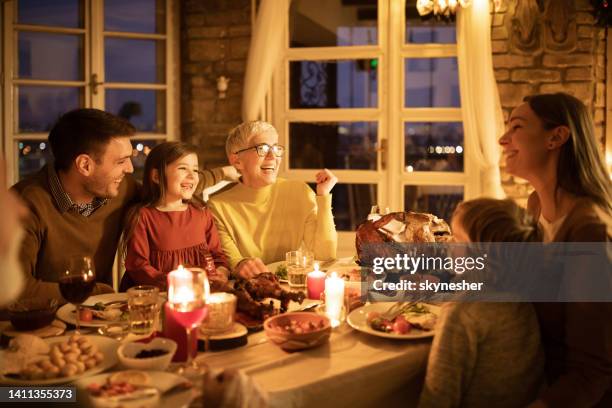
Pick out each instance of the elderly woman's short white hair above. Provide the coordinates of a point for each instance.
(239, 136)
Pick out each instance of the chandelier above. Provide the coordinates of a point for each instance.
(440, 9)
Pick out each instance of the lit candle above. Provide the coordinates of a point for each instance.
(315, 283)
(180, 290)
(334, 298)
(180, 287)
(221, 310)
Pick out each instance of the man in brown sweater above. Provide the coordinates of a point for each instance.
(77, 203)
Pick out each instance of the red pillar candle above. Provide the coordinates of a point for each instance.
(315, 283)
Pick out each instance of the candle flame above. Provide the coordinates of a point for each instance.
(316, 267)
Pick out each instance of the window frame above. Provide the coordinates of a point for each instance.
(93, 54)
(390, 113)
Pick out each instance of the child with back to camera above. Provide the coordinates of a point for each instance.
(486, 354)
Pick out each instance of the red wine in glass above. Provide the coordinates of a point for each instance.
(76, 289)
(77, 283)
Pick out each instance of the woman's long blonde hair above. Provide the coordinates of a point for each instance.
(581, 169)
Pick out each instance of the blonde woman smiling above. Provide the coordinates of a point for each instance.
(263, 216)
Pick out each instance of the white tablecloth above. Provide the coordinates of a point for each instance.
(353, 369)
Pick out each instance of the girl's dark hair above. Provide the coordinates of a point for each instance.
(581, 169)
(85, 131)
(157, 160)
(492, 220)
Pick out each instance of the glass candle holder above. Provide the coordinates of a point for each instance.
(221, 310)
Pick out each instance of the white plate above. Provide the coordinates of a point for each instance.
(273, 266)
(159, 379)
(358, 321)
(107, 346)
(66, 312)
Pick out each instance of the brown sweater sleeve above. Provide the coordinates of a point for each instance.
(589, 357)
(211, 177)
(34, 235)
(588, 341)
(28, 257)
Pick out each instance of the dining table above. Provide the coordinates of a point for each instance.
(353, 368)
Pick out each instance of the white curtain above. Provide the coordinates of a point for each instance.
(265, 54)
(482, 114)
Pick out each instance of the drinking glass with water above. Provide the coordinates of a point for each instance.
(144, 308)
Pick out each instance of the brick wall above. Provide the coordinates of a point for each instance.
(215, 37)
(550, 47)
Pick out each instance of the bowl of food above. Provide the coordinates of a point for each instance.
(298, 330)
(154, 355)
(32, 313)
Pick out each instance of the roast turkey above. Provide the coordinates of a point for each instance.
(398, 227)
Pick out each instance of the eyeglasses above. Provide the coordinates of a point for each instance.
(263, 149)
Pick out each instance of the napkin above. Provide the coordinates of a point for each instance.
(232, 389)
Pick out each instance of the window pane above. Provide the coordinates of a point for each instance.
(129, 60)
(419, 31)
(145, 109)
(351, 204)
(437, 200)
(433, 146)
(329, 23)
(140, 151)
(431, 82)
(334, 84)
(333, 145)
(33, 154)
(40, 106)
(135, 16)
(50, 56)
(61, 13)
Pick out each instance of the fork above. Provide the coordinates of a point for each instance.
(396, 309)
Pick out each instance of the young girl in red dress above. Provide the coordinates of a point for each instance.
(171, 226)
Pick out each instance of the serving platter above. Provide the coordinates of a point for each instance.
(107, 346)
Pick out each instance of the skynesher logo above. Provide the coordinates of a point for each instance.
(414, 264)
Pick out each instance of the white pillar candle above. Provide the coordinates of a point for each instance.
(180, 286)
(334, 298)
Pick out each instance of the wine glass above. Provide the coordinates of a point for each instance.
(188, 290)
(77, 282)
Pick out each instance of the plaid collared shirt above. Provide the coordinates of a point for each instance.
(63, 200)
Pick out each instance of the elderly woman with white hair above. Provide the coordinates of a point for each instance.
(263, 216)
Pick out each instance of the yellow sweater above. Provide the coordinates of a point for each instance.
(269, 221)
